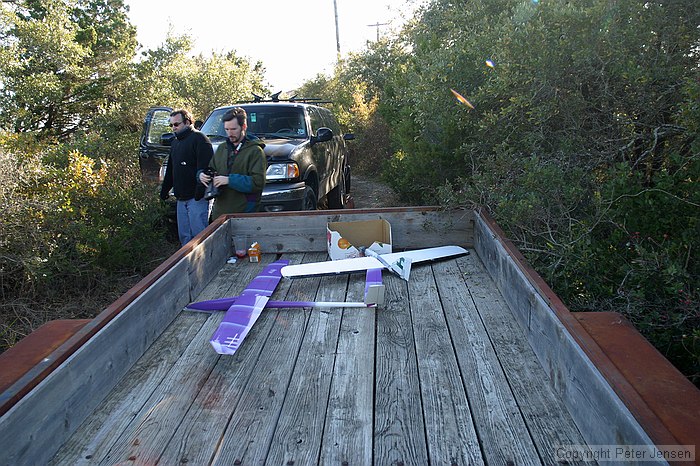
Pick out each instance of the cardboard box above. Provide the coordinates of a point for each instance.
(346, 238)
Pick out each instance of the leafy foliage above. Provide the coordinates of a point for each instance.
(582, 142)
(58, 62)
(71, 223)
(77, 217)
(355, 106)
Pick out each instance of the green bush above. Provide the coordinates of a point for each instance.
(648, 242)
(72, 226)
(581, 140)
(608, 240)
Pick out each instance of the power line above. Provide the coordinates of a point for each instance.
(376, 25)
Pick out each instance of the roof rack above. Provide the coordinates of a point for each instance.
(275, 98)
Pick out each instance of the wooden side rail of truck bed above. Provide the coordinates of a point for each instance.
(598, 363)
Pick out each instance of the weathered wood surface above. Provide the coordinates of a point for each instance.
(552, 333)
(449, 423)
(546, 416)
(123, 420)
(43, 408)
(439, 375)
(65, 398)
(411, 227)
(351, 401)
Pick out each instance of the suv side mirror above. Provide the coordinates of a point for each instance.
(348, 136)
(322, 135)
(167, 139)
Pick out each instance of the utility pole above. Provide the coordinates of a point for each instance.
(337, 30)
(376, 25)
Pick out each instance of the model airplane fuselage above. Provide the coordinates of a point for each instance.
(398, 262)
(243, 311)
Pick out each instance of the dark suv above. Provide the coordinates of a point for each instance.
(307, 160)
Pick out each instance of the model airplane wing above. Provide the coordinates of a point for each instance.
(374, 296)
(246, 308)
(396, 259)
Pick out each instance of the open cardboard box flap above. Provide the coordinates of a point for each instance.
(345, 238)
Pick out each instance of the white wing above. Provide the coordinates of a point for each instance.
(364, 263)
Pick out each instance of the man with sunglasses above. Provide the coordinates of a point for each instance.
(190, 153)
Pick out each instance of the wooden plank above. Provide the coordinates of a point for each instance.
(20, 358)
(450, 431)
(102, 428)
(62, 401)
(499, 423)
(667, 392)
(251, 428)
(146, 437)
(231, 279)
(411, 227)
(348, 432)
(297, 438)
(198, 435)
(399, 435)
(576, 379)
(547, 419)
(207, 258)
(31, 379)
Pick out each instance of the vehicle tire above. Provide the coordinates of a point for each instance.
(309, 199)
(347, 179)
(336, 196)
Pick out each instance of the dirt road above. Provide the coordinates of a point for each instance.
(369, 193)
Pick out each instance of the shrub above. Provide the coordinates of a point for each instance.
(72, 225)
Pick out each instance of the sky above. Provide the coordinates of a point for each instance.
(295, 40)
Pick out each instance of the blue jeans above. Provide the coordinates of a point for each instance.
(192, 218)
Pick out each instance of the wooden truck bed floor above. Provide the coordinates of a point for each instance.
(441, 374)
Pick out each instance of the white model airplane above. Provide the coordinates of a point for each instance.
(398, 263)
(243, 311)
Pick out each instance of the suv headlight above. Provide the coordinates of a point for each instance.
(282, 171)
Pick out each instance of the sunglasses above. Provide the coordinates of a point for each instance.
(175, 125)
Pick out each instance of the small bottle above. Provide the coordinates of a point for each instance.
(254, 252)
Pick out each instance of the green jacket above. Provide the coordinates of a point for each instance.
(246, 176)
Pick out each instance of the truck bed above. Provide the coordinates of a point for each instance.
(441, 374)
(473, 361)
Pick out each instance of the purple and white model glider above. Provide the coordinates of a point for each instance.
(243, 311)
(246, 308)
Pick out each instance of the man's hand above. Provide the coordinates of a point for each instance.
(204, 178)
(221, 180)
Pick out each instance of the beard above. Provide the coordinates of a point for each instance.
(237, 139)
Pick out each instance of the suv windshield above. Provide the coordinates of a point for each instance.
(265, 121)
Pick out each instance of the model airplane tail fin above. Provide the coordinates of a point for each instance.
(374, 288)
(401, 267)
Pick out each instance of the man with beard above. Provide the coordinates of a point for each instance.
(240, 167)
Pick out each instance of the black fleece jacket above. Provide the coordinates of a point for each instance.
(190, 152)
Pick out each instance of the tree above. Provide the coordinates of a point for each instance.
(581, 138)
(203, 83)
(61, 62)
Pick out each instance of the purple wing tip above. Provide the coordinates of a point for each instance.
(270, 272)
